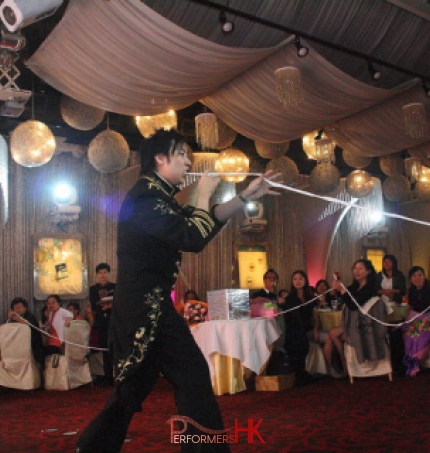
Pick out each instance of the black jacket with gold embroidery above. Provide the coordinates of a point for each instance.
(154, 229)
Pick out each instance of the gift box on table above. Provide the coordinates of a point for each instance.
(227, 304)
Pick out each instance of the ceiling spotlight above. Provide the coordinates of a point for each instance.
(302, 51)
(227, 26)
(375, 73)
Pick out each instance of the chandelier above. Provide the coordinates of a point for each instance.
(309, 143)
(232, 161)
(415, 120)
(324, 151)
(289, 86)
(147, 125)
(413, 168)
(207, 130)
(359, 184)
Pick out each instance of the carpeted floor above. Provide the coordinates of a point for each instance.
(372, 415)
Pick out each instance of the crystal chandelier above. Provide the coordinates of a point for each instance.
(232, 161)
(207, 130)
(413, 168)
(415, 120)
(309, 143)
(149, 124)
(289, 86)
(324, 151)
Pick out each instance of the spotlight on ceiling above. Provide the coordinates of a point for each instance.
(375, 73)
(227, 26)
(302, 51)
(17, 14)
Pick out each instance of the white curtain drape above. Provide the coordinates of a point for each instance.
(124, 57)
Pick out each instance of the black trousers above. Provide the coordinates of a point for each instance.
(175, 354)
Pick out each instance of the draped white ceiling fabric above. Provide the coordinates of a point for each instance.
(122, 56)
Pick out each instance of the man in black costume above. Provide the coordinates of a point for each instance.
(148, 335)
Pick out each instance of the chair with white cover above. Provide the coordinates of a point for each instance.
(367, 352)
(18, 369)
(71, 370)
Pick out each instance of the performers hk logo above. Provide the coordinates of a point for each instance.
(179, 425)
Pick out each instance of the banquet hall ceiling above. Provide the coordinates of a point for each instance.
(232, 75)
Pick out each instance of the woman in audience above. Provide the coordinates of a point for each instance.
(362, 289)
(19, 313)
(75, 309)
(299, 324)
(323, 301)
(59, 318)
(390, 282)
(416, 333)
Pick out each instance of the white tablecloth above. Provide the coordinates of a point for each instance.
(247, 340)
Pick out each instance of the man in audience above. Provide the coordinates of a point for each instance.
(278, 363)
(98, 315)
(19, 313)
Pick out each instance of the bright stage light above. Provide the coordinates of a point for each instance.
(64, 194)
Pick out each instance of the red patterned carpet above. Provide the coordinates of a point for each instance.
(372, 415)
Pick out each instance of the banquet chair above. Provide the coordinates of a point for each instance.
(372, 336)
(315, 361)
(71, 370)
(18, 369)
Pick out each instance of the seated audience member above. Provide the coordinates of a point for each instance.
(324, 301)
(299, 324)
(98, 315)
(75, 309)
(190, 295)
(416, 333)
(362, 290)
(390, 282)
(19, 313)
(59, 319)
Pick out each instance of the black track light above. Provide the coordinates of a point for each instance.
(302, 51)
(227, 26)
(375, 73)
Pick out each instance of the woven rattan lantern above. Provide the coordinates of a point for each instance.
(108, 152)
(287, 167)
(79, 115)
(32, 144)
(324, 178)
(271, 150)
(232, 161)
(355, 161)
(392, 164)
(359, 184)
(396, 188)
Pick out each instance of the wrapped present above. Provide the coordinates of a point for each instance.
(227, 304)
(262, 308)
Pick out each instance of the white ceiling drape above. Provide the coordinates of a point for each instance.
(124, 57)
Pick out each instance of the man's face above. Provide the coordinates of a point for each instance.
(174, 167)
(270, 281)
(103, 276)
